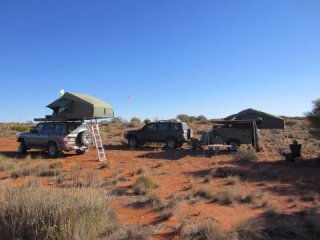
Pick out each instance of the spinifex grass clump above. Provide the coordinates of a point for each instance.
(143, 184)
(33, 213)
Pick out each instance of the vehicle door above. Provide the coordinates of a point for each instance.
(33, 136)
(163, 131)
(59, 131)
(45, 134)
(149, 133)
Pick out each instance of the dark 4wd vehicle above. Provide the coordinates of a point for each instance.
(55, 137)
(173, 134)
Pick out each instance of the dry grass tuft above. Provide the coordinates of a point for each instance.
(6, 164)
(253, 229)
(32, 213)
(229, 196)
(143, 184)
(141, 171)
(207, 229)
(246, 154)
(233, 180)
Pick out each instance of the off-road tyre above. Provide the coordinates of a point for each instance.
(80, 151)
(53, 151)
(85, 138)
(132, 142)
(22, 149)
(171, 143)
(234, 143)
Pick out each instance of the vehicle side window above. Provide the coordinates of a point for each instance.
(163, 126)
(47, 128)
(39, 127)
(71, 127)
(60, 129)
(175, 126)
(151, 127)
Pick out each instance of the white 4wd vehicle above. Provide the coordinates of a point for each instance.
(55, 137)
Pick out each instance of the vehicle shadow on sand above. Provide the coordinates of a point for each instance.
(163, 153)
(30, 155)
(282, 178)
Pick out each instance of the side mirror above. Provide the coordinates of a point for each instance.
(33, 131)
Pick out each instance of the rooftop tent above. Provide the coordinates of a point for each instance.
(75, 106)
(263, 120)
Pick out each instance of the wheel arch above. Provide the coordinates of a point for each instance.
(235, 140)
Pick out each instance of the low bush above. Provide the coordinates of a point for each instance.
(143, 184)
(20, 128)
(246, 154)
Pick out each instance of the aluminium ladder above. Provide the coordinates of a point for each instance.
(98, 141)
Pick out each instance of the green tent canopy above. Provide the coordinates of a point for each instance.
(77, 106)
(263, 120)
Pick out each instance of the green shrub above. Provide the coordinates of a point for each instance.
(20, 128)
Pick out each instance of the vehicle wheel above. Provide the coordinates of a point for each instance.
(85, 138)
(179, 144)
(171, 143)
(234, 147)
(80, 151)
(22, 149)
(132, 142)
(233, 142)
(53, 150)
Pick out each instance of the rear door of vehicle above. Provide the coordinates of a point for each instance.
(59, 131)
(45, 134)
(163, 131)
(149, 133)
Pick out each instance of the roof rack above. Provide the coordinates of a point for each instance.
(49, 118)
(166, 121)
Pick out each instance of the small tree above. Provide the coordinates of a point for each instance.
(135, 122)
(183, 117)
(117, 120)
(147, 121)
(314, 118)
(192, 119)
(202, 118)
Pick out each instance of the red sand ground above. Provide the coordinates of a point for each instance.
(175, 170)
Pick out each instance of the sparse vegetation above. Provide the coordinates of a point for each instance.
(233, 180)
(228, 196)
(141, 171)
(207, 229)
(314, 118)
(20, 127)
(219, 182)
(6, 164)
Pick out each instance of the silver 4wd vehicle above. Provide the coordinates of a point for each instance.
(55, 137)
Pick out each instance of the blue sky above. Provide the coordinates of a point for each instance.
(196, 57)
